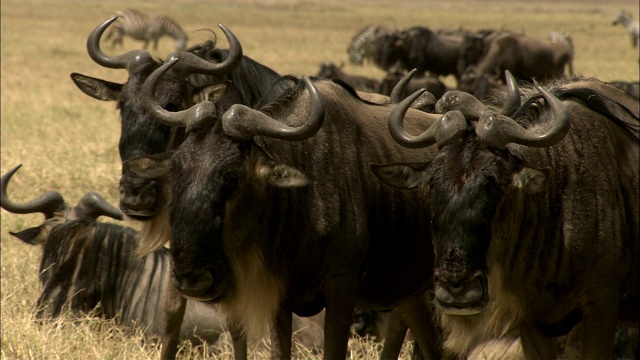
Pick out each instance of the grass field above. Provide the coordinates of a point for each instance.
(67, 141)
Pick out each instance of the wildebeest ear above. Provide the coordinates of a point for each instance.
(32, 236)
(97, 88)
(149, 167)
(281, 175)
(531, 180)
(216, 92)
(399, 176)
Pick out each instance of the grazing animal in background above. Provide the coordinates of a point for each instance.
(86, 264)
(432, 84)
(423, 49)
(625, 19)
(535, 214)
(630, 87)
(475, 45)
(147, 28)
(526, 58)
(363, 45)
(361, 83)
(343, 243)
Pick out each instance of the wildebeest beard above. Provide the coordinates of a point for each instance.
(466, 186)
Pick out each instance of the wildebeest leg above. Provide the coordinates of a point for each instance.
(174, 308)
(281, 334)
(417, 314)
(536, 345)
(339, 306)
(396, 331)
(239, 341)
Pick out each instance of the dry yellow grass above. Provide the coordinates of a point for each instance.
(68, 141)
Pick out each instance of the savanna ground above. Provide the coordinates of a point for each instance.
(67, 141)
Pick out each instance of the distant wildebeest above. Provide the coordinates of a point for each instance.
(91, 265)
(423, 49)
(273, 216)
(147, 28)
(526, 58)
(474, 46)
(363, 45)
(630, 87)
(432, 84)
(625, 19)
(535, 216)
(362, 83)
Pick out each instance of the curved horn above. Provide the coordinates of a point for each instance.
(191, 63)
(471, 107)
(184, 118)
(93, 205)
(243, 122)
(118, 62)
(396, 128)
(498, 131)
(447, 127)
(399, 88)
(47, 204)
(513, 95)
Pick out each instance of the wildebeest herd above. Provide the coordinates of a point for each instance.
(500, 219)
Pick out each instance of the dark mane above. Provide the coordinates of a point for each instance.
(283, 101)
(255, 82)
(617, 112)
(274, 107)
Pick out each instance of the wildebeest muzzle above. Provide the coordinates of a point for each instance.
(459, 292)
(138, 197)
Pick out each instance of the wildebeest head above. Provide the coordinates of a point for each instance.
(389, 50)
(467, 180)
(141, 134)
(56, 211)
(215, 160)
(471, 50)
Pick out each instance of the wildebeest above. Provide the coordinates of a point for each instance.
(410, 49)
(535, 215)
(625, 19)
(430, 83)
(89, 265)
(362, 83)
(273, 216)
(526, 58)
(140, 134)
(86, 263)
(423, 49)
(226, 77)
(147, 28)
